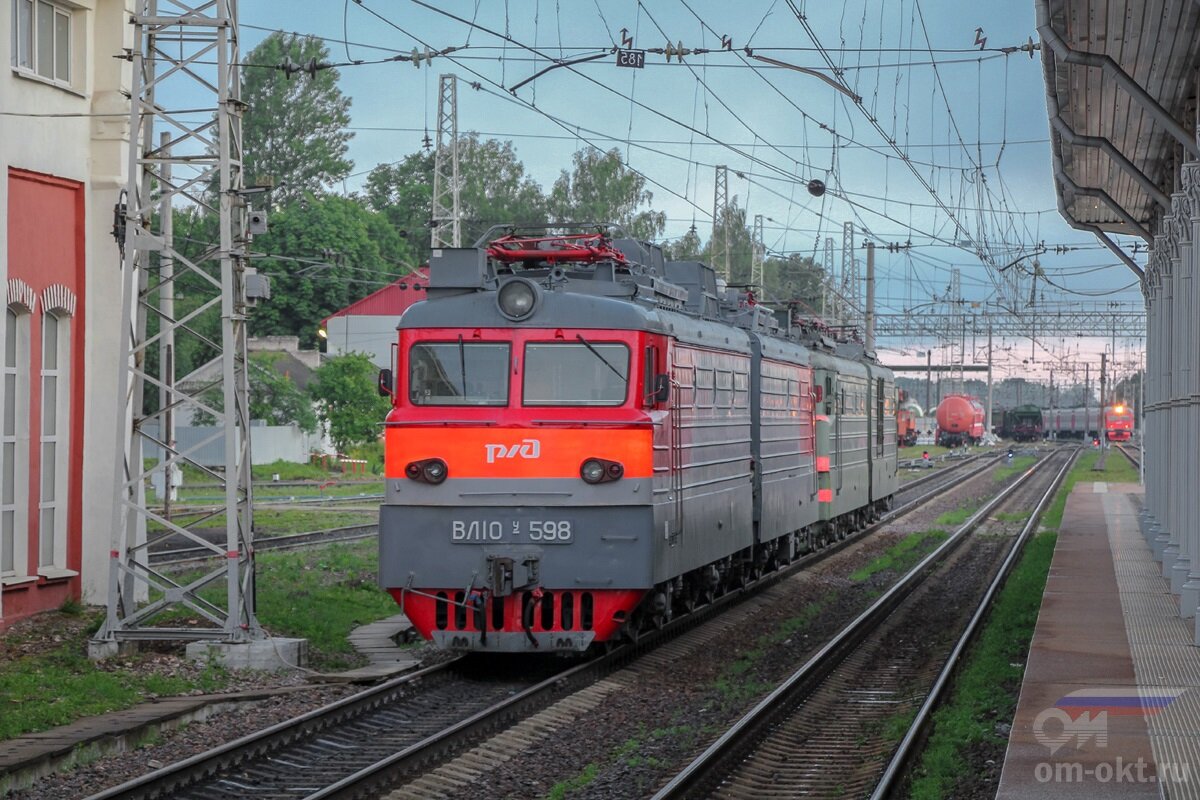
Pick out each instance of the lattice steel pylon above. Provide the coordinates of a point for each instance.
(447, 227)
(851, 305)
(183, 51)
(828, 295)
(759, 254)
(720, 235)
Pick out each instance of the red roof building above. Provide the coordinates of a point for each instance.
(369, 325)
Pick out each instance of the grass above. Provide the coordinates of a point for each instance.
(338, 581)
(55, 688)
(952, 519)
(210, 495)
(733, 683)
(1117, 470)
(902, 555)
(1013, 516)
(985, 692)
(319, 595)
(276, 522)
(564, 788)
(1018, 465)
(916, 450)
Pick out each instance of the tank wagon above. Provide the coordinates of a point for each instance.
(959, 420)
(586, 439)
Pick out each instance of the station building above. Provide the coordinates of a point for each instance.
(64, 139)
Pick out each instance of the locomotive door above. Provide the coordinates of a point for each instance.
(682, 375)
(676, 462)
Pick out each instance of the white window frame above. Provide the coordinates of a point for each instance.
(55, 565)
(18, 437)
(27, 64)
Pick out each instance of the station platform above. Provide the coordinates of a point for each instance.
(1110, 700)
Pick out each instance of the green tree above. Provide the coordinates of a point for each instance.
(686, 248)
(495, 187)
(495, 190)
(294, 129)
(795, 278)
(274, 397)
(345, 388)
(403, 193)
(600, 188)
(338, 251)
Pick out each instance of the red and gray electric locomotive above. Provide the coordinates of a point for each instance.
(586, 439)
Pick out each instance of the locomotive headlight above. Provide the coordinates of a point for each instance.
(598, 470)
(430, 470)
(517, 298)
(434, 471)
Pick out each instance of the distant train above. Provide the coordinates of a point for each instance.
(959, 420)
(907, 414)
(1023, 424)
(1073, 423)
(1118, 423)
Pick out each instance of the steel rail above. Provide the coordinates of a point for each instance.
(744, 734)
(174, 778)
(897, 767)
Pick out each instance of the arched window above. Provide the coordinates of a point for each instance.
(14, 444)
(52, 520)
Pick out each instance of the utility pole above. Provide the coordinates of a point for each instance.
(828, 297)
(928, 378)
(720, 254)
(447, 225)
(166, 308)
(849, 288)
(756, 266)
(1099, 465)
(869, 311)
(989, 403)
(188, 50)
(1087, 398)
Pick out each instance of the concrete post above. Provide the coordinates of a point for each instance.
(1185, 462)
(1189, 594)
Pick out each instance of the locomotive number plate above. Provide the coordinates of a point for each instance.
(479, 531)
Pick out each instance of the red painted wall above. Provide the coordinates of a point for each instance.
(46, 245)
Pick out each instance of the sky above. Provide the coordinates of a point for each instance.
(970, 168)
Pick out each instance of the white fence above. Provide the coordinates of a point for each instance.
(268, 443)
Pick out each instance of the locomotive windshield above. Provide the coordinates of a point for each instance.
(579, 373)
(458, 374)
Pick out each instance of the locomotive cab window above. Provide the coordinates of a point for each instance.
(581, 373)
(458, 374)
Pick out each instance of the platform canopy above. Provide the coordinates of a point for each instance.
(1121, 80)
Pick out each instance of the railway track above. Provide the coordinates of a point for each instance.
(371, 740)
(1137, 462)
(186, 556)
(823, 731)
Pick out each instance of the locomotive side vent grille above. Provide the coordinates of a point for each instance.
(567, 610)
(439, 614)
